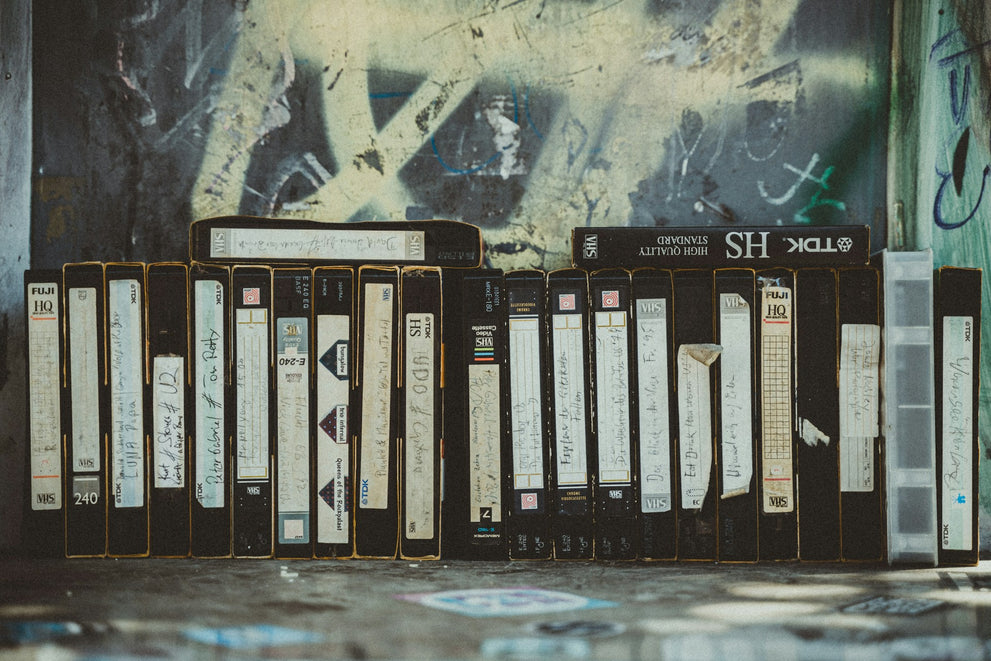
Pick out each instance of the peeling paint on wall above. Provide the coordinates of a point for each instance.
(525, 117)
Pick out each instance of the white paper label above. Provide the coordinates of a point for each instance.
(528, 415)
(860, 356)
(292, 372)
(569, 400)
(84, 379)
(333, 432)
(735, 384)
(45, 406)
(169, 421)
(126, 400)
(307, 244)
(483, 444)
(776, 399)
(419, 426)
(958, 433)
(208, 393)
(695, 421)
(252, 441)
(654, 416)
(376, 395)
(612, 391)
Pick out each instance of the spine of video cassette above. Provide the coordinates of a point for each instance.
(376, 517)
(251, 371)
(695, 354)
(817, 408)
(861, 504)
(654, 397)
(909, 407)
(85, 411)
(210, 406)
(480, 457)
(168, 394)
(127, 516)
(958, 359)
(333, 313)
(778, 520)
(292, 313)
(737, 422)
(573, 441)
(701, 247)
(43, 523)
(527, 527)
(246, 240)
(421, 412)
(615, 496)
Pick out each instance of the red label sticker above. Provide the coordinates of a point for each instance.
(252, 295)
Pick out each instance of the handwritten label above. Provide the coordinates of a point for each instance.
(84, 379)
(695, 421)
(526, 402)
(169, 421)
(208, 393)
(735, 395)
(292, 370)
(127, 448)
(251, 400)
(333, 432)
(45, 417)
(612, 390)
(376, 395)
(654, 416)
(569, 400)
(958, 433)
(776, 401)
(484, 428)
(860, 356)
(326, 243)
(419, 432)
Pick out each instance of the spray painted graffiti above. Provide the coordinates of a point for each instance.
(955, 168)
(526, 117)
(512, 116)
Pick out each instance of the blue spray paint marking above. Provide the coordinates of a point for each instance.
(251, 637)
(389, 95)
(529, 117)
(454, 170)
(959, 101)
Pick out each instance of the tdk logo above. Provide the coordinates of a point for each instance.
(818, 244)
(590, 247)
(364, 492)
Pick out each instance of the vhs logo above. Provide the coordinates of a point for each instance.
(590, 247)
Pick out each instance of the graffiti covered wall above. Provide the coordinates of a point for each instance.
(946, 138)
(527, 117)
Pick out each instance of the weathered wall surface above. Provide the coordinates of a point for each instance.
(15, 201)
(942, 112)
(526, 117)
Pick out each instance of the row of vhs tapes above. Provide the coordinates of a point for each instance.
(383, 411)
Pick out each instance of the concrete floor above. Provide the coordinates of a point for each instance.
(225, 609)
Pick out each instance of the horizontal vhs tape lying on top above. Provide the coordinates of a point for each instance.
(245, 239)
(692, 247)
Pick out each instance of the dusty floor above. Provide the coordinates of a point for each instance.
(221, 609)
